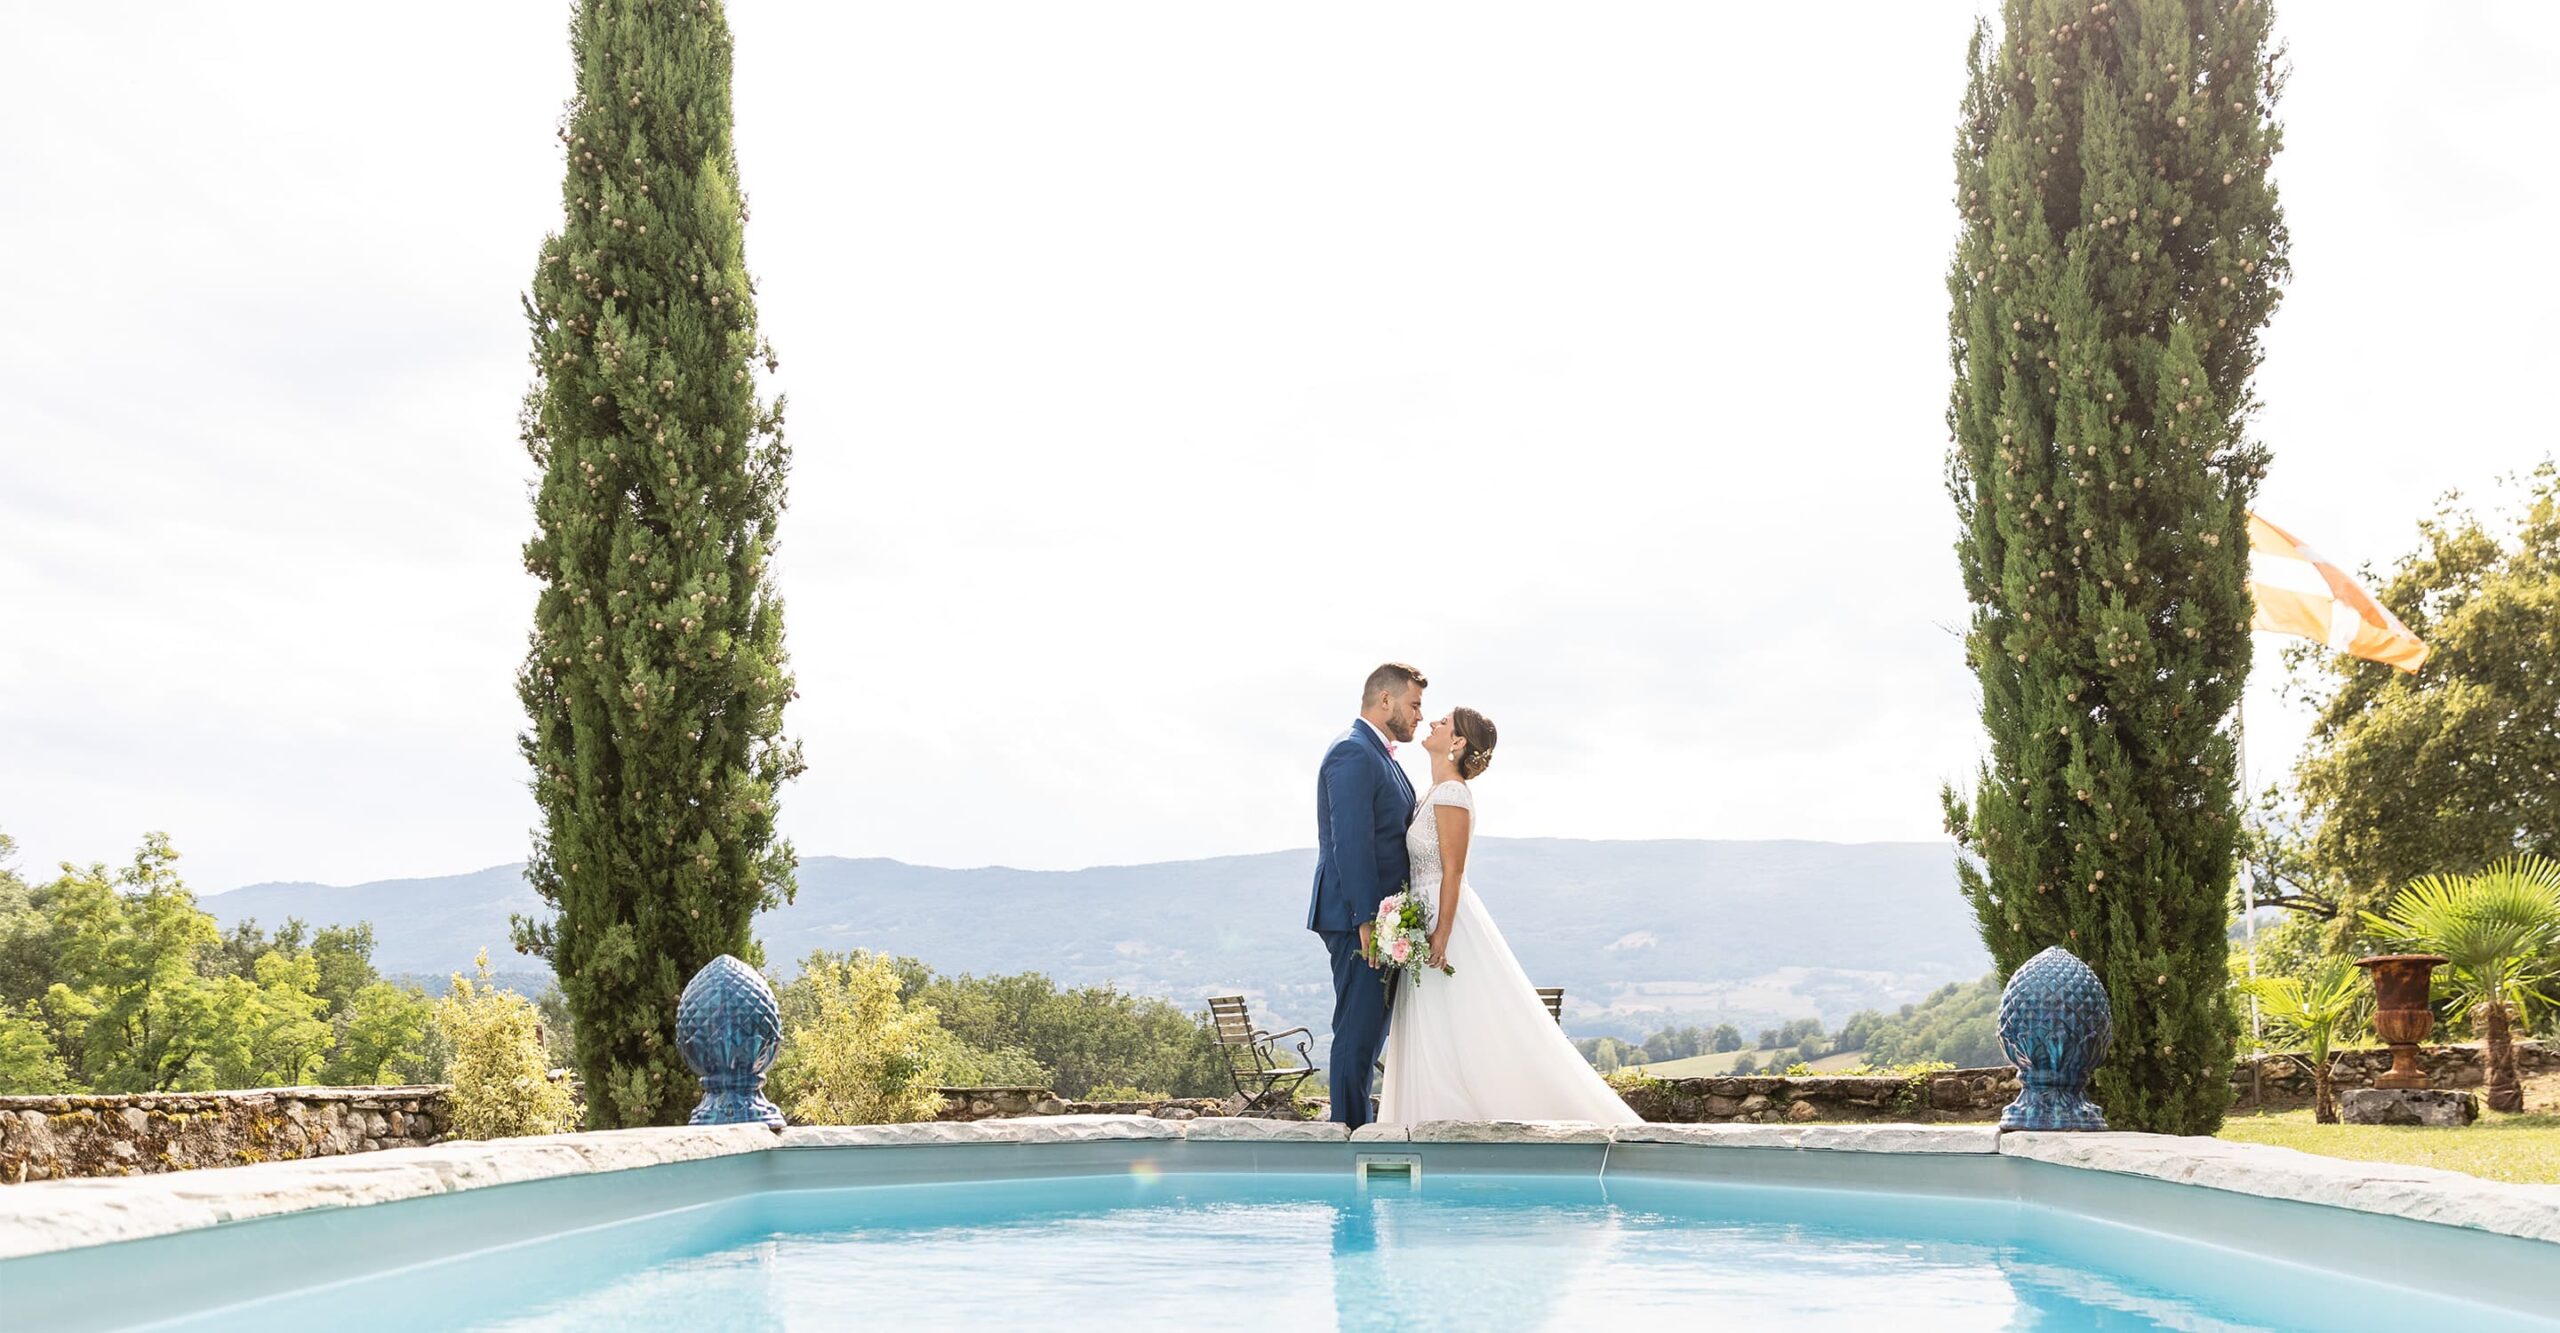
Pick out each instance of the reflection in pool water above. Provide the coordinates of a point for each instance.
(1150, 1250)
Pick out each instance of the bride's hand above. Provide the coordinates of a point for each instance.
(1439, 950)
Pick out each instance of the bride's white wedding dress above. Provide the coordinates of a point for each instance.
(1479, 1045)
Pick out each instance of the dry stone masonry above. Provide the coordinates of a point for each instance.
(2281, 1080)
(1952, 1095)
(966, 1104)
(49, 1138)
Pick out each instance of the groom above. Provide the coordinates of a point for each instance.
(1363, 803)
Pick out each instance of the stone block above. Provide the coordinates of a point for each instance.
(2420, 1193)
(1509, 1131)
(1903, 1138)
(2439, 1107)
(1230, 1129)
(1712, 1136)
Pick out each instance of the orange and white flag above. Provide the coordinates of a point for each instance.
(2298, 591)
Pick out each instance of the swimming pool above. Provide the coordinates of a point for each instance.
(1127, 1227)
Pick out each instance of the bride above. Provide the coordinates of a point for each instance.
(1478, 1045)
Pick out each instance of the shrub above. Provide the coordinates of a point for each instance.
(1084, 1037)
(2315, 1014)
(852, 1052)
(28, 1063)
(500, 1087)
(1919, 1069)
(967, 1066)
(1121, 1092)
(379, 1031)
(1624, 1081)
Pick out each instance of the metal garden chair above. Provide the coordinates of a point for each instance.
(1254, 1060)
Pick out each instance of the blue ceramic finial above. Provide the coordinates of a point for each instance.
(730, 1032)
(2055, 1026)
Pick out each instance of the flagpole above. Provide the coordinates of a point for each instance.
(2249, 899)
(2248, 883)
(2294, 590)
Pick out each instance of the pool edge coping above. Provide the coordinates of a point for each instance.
(42, 1217)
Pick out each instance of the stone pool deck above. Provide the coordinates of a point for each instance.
(48, 1216)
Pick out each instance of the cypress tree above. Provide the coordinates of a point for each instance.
(2121, 249)
(656, 679)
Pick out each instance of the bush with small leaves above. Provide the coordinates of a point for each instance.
(500, 1087)
(853, 1053)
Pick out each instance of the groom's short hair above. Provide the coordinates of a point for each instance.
(1389, 679)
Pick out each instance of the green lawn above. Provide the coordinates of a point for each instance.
(2521, 1148)
(1695, 1066)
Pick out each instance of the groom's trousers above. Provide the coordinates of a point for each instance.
(1359, 1025)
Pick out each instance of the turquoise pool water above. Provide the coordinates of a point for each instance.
(1480, 1252)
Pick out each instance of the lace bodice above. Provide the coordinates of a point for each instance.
(1422, 837)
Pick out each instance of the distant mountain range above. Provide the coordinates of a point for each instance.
(1640, 934)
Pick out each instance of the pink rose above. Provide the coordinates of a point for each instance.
(1401, 950)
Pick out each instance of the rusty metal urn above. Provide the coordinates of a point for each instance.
(2401, 1017)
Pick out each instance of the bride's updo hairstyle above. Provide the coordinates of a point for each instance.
(1477, 731)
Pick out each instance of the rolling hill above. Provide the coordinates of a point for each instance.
(1641, 934)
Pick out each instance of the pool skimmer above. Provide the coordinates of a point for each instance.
(1402, 1168)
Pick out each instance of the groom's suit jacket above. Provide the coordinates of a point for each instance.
(1363, 803)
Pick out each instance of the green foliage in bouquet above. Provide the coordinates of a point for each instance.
(1402, 917)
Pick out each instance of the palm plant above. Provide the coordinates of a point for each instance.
(2312, 1014)
(2498, 931)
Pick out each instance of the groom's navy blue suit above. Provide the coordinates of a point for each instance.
(1363, 803)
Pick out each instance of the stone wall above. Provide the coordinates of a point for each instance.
(44, 1138)
(966, 1104)
(1953, 1095)
(2285, 1082)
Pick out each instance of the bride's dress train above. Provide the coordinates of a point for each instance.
(1479, 1045)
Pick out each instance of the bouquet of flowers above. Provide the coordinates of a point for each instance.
(1401, 939)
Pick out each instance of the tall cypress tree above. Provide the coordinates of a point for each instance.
(2121, 251)
(656, 677)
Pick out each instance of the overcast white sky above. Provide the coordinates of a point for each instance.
(1155, 370)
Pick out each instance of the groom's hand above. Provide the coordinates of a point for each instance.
(1365, 951)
